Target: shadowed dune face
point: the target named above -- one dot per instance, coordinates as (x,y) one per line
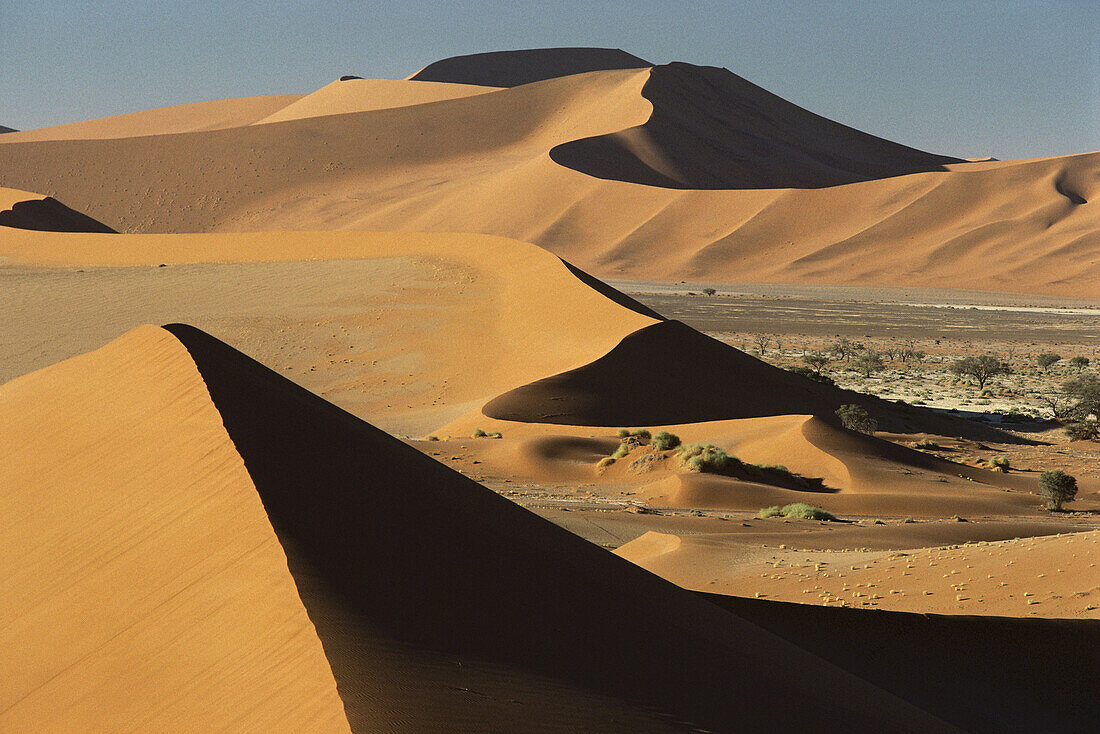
(668,373)
(515,68)
(711,129)
(4,129)
(403,563)
(991,659)
(49,215)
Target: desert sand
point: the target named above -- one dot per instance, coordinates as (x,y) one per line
(371,473)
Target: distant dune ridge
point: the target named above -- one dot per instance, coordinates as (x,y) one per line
(669,172)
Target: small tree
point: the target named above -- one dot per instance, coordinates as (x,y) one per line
(980,368)
(855,418)
(842,348)
(869,362)
(1086,391)
(1057,487)
(1079,363)
(1047,360)
(709,291)
(1082,431)
(816,361)
(761,341)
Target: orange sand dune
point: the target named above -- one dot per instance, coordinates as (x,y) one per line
(359,95)
(184,118)
(1053,576)
(668,373)
(485,163)
(440,606)
(711,129)
(514,68)
(143,588)
(411,329)
(24,210)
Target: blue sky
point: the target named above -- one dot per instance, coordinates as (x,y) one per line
(1009,79)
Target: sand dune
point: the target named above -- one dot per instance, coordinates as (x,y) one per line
(24,210)
(185,118)
(485,163)
(143,588)
(345,96)
(668,373)
(433,571)
(711,129)
(514,68)
(411,330)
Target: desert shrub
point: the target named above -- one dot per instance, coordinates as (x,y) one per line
(1079,363)
(926,443)
(1047,359)
(622,433)
(433,438)
(855,418)
(496,434)
(798,511)
(869,362)
(480,433)
(707,458)
(664,441)
(1057,487)
(709,291)
(621,451)
(605,462)
(1082,431)
(1001,463)
(642,434)
(813,375)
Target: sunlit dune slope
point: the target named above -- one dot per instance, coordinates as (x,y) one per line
(443,606)
(515,68)
(143,588)
(25,210)
(409,329)
(185,118)
(668,172)
(359,95)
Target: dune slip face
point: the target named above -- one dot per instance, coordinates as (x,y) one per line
(404,561)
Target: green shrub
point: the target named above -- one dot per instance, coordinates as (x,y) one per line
(664,441)
(926,443)
(1079,363)
(1047,359)
(623,433)
(1082,431)
(642,434)
(798,511)
(620,452)
(1000,463)
(1056,487)
(707,458)
(480,433)
(709,291)
(496,434)
(605,462)
(855,418)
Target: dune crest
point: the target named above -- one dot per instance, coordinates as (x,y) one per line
(143,587)
(515,68)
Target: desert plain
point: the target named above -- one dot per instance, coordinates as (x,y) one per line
(480,401)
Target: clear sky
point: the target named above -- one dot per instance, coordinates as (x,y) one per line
(1012,79)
